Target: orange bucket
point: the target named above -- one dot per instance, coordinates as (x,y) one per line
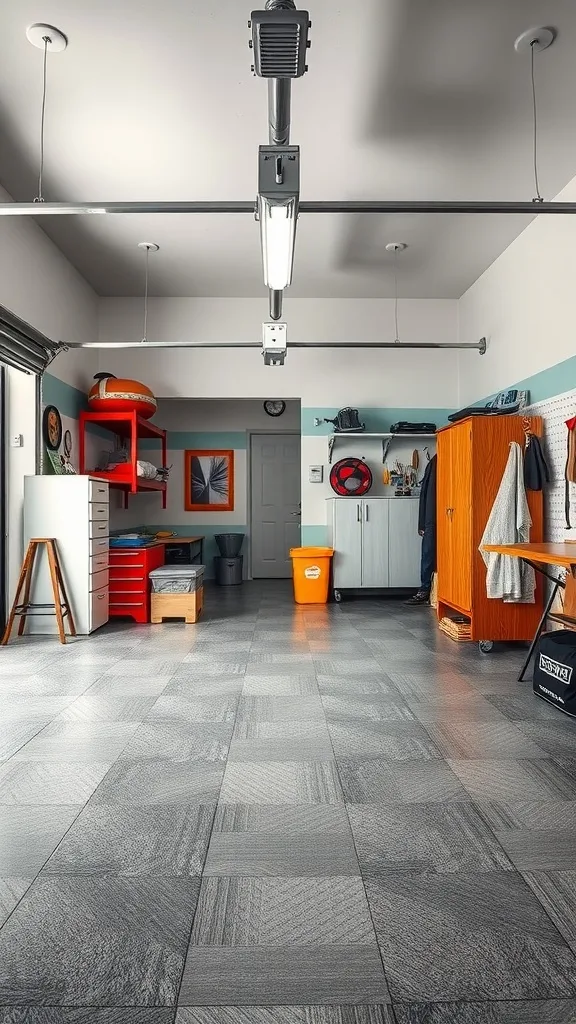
(311,572)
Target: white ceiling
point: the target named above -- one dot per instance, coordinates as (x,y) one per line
(411,99)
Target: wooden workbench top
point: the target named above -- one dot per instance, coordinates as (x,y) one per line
(562,553)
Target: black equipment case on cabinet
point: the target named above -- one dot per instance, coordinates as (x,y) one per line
(555,669)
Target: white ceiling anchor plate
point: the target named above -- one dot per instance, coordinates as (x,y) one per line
(150,246)
(39,32)
(539,37)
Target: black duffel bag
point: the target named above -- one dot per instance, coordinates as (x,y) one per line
(555,669)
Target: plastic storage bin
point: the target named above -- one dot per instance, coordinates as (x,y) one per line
(177,579)
(311,572)
(228,571)
(229,544)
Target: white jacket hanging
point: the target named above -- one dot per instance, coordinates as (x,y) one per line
(509,522)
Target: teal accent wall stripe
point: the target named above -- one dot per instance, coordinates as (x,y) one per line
(314,536)
(376,420)
(69,401)
(214,439)
(555,380)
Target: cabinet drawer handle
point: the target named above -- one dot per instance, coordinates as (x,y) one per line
(359,513)
(101,597)
(367,517)
(126,579)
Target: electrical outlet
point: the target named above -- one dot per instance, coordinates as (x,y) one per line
(17,441)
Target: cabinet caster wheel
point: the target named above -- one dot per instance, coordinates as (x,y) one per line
(338,596)
(485,646)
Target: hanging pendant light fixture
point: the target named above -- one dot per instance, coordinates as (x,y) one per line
(533,41)
(49,40)
(396,247)
(148,248)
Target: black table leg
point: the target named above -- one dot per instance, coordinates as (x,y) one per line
(558,584)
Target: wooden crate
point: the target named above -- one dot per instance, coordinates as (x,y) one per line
(177,606)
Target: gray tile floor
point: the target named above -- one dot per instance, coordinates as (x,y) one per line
(283,815)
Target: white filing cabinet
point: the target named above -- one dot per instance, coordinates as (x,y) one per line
(75,511)
(376,542)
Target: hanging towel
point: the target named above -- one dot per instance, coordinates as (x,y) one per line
(509,523)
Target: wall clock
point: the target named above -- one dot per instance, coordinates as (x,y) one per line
(274,408)
(52,428)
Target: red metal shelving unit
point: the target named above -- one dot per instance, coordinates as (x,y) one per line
(133,427)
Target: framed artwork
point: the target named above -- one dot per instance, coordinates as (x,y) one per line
(208,480)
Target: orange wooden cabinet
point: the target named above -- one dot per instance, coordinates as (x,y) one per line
(472,456)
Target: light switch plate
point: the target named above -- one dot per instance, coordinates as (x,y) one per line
(315,474)
(17,441)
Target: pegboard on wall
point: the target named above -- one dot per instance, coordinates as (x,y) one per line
(555,412)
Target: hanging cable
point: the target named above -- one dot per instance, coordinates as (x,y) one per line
(538,197)
(147,258)
(40,197)
(396,332)
(148,247)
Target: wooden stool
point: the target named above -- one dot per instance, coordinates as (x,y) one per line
(176,606)
(60,604)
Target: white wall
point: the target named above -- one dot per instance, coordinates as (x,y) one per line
(38,284)
(319,378)
(227,415)
(221,424)
(525,306)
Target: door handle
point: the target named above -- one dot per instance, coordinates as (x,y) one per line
(367,516)
(359,513)
(295,513)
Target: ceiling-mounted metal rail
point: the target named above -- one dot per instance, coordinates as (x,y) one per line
(324,206)
(478,346)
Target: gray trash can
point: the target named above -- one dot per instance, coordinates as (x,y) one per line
(229,544)
(228,571)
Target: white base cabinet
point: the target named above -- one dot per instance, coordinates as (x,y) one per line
(376,542)
(75,511)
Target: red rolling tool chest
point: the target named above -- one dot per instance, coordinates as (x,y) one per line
(129,586)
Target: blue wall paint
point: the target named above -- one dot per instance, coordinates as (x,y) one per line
(548,383)
(183,439)
(376,420)
(314,536)
(69,401)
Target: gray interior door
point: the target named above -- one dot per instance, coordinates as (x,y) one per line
(275,490)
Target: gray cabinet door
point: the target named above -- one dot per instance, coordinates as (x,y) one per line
(375,542)
(347,539)
(405,543)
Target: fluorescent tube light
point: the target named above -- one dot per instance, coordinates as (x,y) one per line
(278,234)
